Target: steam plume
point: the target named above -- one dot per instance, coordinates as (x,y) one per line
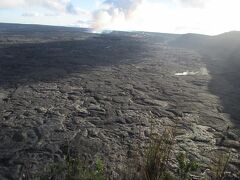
(112,10)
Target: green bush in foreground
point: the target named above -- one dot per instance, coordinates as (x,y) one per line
(157,157)
(155,167)
(185,166)
(73,169)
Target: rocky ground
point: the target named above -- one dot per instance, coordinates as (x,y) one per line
(104,94)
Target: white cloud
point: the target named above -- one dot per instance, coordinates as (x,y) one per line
(173,16)
(179,16)
(112,11)
(61,6)
(82,23)
(10,4)
(193,3)
(51,14)
(30,14)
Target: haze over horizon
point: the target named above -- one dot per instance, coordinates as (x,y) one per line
(209,17)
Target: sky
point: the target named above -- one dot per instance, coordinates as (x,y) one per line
(172,16)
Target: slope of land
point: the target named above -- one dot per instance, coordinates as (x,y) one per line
(103,94)
(221,56)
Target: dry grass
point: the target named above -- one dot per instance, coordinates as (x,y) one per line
(220,165)
(158,155)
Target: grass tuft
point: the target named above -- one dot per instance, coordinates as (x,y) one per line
(185,166)
(220,165)
(158,155)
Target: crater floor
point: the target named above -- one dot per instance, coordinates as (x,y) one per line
(104,94)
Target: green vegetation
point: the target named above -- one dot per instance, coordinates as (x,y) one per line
(156,165)
(158,155)
(185,166)
(73,169)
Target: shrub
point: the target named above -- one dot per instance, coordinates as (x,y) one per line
(220,165)
(185,166)
(157,157)
(73,169)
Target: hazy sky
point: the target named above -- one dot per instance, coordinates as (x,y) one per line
(173,16)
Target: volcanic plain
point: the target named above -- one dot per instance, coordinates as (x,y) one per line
(104,94)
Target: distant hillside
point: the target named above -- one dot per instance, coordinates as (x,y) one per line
(151,36)
(195,41)
(26,28)
(28,33)
(221,45)
(222,57)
